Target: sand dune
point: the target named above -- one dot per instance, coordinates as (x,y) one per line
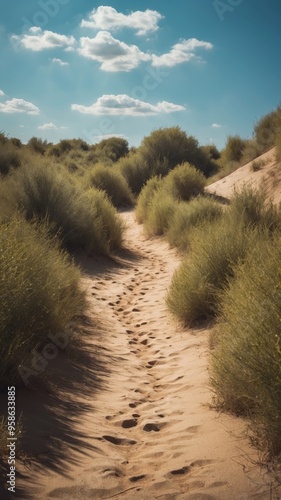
(268,176)
(145,429)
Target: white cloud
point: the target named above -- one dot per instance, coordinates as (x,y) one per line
(216,125)
(181,52)
(107,18)
(48,126)
(124,105)
(37,40)
(58,61)
(19,106)
(113,54)
(1,93)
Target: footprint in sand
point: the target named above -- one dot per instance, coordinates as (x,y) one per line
(119,441)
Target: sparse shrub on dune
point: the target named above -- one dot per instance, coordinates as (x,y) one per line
(112,183)
(246,361)
(81,219)
(185,182)
(9,157)
(197,212)
(40,294)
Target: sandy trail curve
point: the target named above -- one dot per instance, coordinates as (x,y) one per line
(150,432)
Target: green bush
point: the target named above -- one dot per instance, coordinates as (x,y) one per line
(267,129)
(160,213)
(233,150)
(82,219)
(254,209)
(278,146)
(112,183)
(145,198)
(216,248)
(135,170)
(246,363)
(40,294)
(185,182)
(188,215)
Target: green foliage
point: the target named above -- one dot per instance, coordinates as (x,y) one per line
(196,213)
(171,147)
(185,182)
(135,170)
(246,364)
(113,148)
(160,213)
(254,209)
(196,286)
(145,198)
(278,146)
(40,294)
(233,150)
(112,183)
(267,129)
(81,219)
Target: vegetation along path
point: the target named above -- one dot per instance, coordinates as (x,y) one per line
(141,427)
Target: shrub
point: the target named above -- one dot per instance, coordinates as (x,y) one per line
(246,363)
(9,158)
(145,198)
(81,219)
(215,250)
(113,183)
(185,182)
(37,145)
(233,150)
(278,146)
(171,146)
(135,170)
(267,129)
(40,294)
(188,215)
(113,148)
(253,208)
(160,213)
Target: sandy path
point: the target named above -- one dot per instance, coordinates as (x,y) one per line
(149,433)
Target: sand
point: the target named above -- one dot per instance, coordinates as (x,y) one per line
(268,177)
(130,411)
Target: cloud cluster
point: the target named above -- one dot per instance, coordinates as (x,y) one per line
(216,125)
(58,61)
(48,126)
(181,52)
(107,18)
(1,93)
(37,40)
(113,54)
(122,104)
(19,106)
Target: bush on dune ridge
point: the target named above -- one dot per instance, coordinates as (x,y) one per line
(185,182)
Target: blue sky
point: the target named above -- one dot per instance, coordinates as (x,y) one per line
(72,68)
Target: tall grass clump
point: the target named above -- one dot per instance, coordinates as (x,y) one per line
(82,219)
(196,286)
(246,362)
(254,209)
(196,213)
(145,198)
(185,182)
(112,183)
(40,294)
(135,170)
(160,213)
